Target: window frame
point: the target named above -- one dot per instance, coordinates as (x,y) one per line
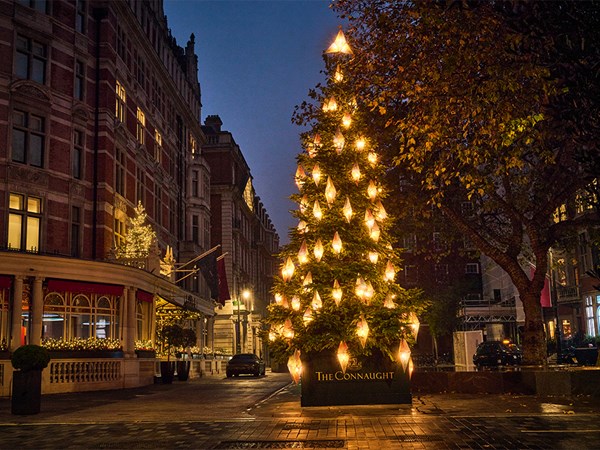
(27,222)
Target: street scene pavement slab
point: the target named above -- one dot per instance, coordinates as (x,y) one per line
(265,412)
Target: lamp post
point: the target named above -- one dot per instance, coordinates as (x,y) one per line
(238,343)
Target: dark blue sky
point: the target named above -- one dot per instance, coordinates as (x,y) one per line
(256,61)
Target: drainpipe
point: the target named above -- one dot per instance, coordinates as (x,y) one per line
(98,14)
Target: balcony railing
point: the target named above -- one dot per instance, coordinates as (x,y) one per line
(568,294)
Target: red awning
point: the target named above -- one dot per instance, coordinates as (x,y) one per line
(84,288)
(5,282)
(144,296)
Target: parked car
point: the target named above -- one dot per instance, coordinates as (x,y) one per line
(245,363)
(497,353)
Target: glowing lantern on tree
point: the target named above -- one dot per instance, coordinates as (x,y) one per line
(347,120)
(381,212)
(316,174)
(340,45)
(347,210)
(404,353)
(375,232)
(295,366)
(336,292)
(303,253)
(338,76)
(355,173)
(372,190)
(278,298)
(369,219)
(360,144)
(389,301)
(307,280)
(318,250)
(390,272)
(336,244)
(295,303)
(330,105)
(372,158)
(414,324)
(330,191)
(288,330)
(373,257)
(362,330)
(317,210)
(343,356)
(300,176)
(307,317)
(302,227)
(316,303)
(339,141)
(288,270)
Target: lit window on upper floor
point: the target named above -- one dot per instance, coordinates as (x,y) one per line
(157,146)
(193,146)
(121,101)
(31,59)
(560,214)
(140,130)
(24,222)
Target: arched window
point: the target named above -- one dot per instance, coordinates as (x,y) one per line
(54,316)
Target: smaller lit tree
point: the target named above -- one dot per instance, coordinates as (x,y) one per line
(139,238)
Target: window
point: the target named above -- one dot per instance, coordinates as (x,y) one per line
(120,171)
(472,268)
(121,102)
(206,230)
(24,222)
(409,242)
(31,59)
(119,232)
(75,230)
(411,274)
(193,146)
(195,175)
(157,146)
(78,143)
(141,71)
(441,273)
(81,16)
(38,5)
(560,214)
(589,314)
(28,136)
(121,43)
(79,84)
(70,315)
(141,126)
(195,229)
(158,204)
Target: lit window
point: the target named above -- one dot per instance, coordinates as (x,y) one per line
(119,232)
(121,101)
(193,146)
(28,137)
(157,146)
(31,58)
(141,126)
(24,222)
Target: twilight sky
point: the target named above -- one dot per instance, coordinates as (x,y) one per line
(256,61)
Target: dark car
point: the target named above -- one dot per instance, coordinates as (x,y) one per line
(245,363)
(497,353)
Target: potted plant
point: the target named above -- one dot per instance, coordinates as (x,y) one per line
(188,339)
(171,337)
(28,361)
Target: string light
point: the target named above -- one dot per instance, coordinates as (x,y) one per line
(390,272)
(303,204)
(308,316)
(300,175)
(302,227)
(369,219)
(372,158)
(295,366)
(347,120)
(373,257)
(372,190)
(404,353)
(330,105)
(340,45)
(389,301)
(360,144)
(381,212)
(375,232)
(316,303)
(288,330)
(278,298)
(338,76)
(307,280)
(295,303)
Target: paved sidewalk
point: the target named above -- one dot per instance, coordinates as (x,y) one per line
(178,416)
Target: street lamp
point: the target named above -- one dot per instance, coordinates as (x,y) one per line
(238,343)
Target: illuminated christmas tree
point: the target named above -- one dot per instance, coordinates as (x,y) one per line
(139,238)
(337,291)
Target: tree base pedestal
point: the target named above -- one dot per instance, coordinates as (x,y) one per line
(372,380)
(26,392)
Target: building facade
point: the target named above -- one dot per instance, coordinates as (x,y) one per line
(241,225)
(99,112)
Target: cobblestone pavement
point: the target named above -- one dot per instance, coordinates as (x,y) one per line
(177,417)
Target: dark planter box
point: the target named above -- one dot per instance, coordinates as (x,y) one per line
(69,354)
(183,370)
(146,353)
(167,371)
(26,392)
(586,356)
(373,380)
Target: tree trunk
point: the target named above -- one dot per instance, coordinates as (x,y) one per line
(534,343)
